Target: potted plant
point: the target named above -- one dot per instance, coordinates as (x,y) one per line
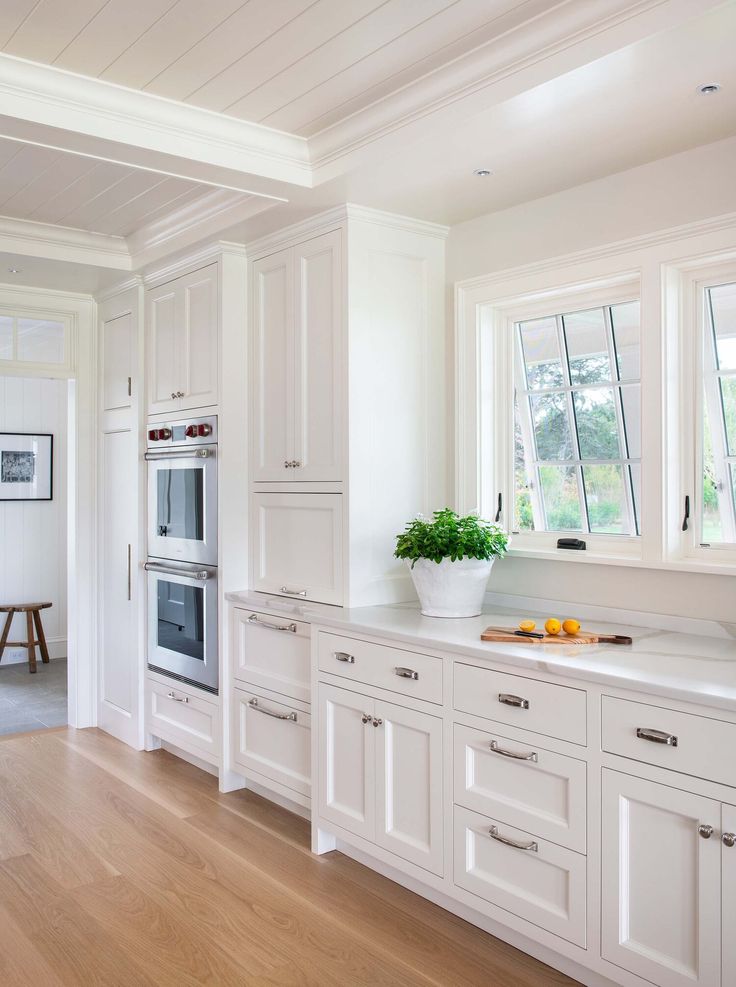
(451,559)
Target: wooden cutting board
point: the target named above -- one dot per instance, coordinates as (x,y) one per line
(506,635)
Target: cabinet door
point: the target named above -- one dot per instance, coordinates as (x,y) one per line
(197,297)
(163,349)
(347,745)
(318,359)
(272,739)
(728,885)
(273,367)
(118,346)
(660,882)
(409,785)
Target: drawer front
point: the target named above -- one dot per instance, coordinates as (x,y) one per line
(271,652)
(686,742)
(273,739)
(388,668)
(544,884)
(522,785)
(183,719)
(554,710)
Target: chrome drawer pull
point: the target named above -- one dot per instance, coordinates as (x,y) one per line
(178,699)
(293,592)
(253,703)
(508,700)
(656,736)
(495,835)
(344,656)
(406,673)
(255,619)
(519,757)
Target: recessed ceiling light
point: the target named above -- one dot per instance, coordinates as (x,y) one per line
(14,270)
(482,172)
(709,88)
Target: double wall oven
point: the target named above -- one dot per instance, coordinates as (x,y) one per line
(182,551)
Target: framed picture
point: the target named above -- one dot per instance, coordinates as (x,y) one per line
(26,466)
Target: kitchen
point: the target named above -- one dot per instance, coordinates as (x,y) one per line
(313,310)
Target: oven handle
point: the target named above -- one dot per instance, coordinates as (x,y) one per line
(201,453)
(170,571)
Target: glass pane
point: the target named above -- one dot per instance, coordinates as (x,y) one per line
(635,473)
(551,426)
(723,307)
(711,528)
(181,619)
(523,517)
(180,510)
(631,401)
(597,426)
(587,349)
(541,349)
(40,341)
(561,498)
(728,398)
(627,339)
(6,337)
(604,492)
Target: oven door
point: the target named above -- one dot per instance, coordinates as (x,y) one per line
(182,505)
(182,622)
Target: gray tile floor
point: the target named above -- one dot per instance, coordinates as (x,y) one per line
(32,702)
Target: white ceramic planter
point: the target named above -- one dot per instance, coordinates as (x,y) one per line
(451,589)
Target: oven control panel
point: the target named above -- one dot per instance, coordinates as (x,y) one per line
(191,432)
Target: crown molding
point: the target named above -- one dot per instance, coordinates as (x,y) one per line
(129,284)
(31,239)
(395,221)
(193,261)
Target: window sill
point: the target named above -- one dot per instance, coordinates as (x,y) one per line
(591,558)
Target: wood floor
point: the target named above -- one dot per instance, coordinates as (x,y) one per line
(126,868)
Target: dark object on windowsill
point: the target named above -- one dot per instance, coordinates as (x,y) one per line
(573,544)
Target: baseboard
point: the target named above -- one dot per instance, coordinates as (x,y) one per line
(189,758)
(18,656)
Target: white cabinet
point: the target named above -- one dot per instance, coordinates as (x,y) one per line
(271,652)
(272,739)
(297,545)
(182,342)
(297,317)
(728,885)
(380,774)
(661,882)
(183,717)
(119,362)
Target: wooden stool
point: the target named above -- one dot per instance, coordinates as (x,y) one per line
(33,615)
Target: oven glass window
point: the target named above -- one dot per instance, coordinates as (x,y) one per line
(181,618)
(180,503)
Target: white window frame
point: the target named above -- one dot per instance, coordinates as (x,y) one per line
(15,366)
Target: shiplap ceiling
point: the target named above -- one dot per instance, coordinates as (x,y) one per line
(49,186)
(295,65)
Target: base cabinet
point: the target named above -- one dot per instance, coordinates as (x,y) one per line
(381,774)
(728,886)
(273,740)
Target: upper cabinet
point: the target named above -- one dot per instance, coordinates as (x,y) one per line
(182,343)
(298,304)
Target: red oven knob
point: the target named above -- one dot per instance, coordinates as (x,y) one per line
(164,433)
(190,431)
(153,435)
(204,430)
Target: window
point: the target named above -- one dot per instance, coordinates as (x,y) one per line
(32,340)
(577,421)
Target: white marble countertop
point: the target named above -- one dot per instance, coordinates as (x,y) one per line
(689,667)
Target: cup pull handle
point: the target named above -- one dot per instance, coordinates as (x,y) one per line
(344,656)
(406,673)
(509,700)
(656,736)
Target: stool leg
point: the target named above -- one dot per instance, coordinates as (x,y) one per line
(31,642)
(6,632)
(41,637)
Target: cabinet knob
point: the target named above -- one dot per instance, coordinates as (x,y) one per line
(377,721)
(705,831)
(366,717)
(729,839)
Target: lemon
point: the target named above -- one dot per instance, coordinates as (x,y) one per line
(527,625)
(570,626)
(553,626)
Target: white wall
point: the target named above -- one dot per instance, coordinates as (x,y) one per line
(685,188)
(33,534)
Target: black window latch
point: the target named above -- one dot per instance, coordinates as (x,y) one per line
(574,544)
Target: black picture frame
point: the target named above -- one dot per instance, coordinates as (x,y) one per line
(14,461)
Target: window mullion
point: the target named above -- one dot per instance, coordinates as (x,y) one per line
(572,418)
(618,404)
(717,426)
(528,439)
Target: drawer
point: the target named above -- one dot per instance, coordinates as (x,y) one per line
(538,881)
(554,710)
(270,652)
(272,739)
(698,745)
(521,784)
(399,671)
(183,718)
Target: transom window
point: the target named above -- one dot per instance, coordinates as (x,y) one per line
(577,434)
(31,340)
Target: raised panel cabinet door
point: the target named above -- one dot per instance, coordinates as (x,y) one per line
(163,348)
(273,739)
(273,367)
(409,785)
(118,346)
(661,882)
(346,746)
(728,886)
(318,370)
(198,301)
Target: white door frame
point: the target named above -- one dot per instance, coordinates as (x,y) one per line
(80,370)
